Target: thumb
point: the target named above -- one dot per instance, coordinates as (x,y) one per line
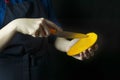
(52,25)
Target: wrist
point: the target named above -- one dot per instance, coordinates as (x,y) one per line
(15,23)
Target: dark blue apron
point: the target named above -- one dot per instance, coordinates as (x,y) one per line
(25,57)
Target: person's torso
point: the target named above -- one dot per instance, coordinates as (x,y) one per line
(26,9)
(25,57)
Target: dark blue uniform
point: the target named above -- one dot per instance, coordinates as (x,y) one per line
(25,57)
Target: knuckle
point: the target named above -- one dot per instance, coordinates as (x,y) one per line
(42,20)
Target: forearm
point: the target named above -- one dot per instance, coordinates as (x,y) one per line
(6,33)
(35,27)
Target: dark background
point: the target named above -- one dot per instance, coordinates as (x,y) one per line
(101,17)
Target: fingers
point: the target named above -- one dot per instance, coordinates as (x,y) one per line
(90,52)
(78,56)
(95,47)
(44,28)
(42,31)
(37,33)
(87,54)
(52,25)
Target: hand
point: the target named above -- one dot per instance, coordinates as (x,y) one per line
(38,27)
(87,54)
(62,44)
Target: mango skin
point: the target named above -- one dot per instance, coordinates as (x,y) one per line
(83,44)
